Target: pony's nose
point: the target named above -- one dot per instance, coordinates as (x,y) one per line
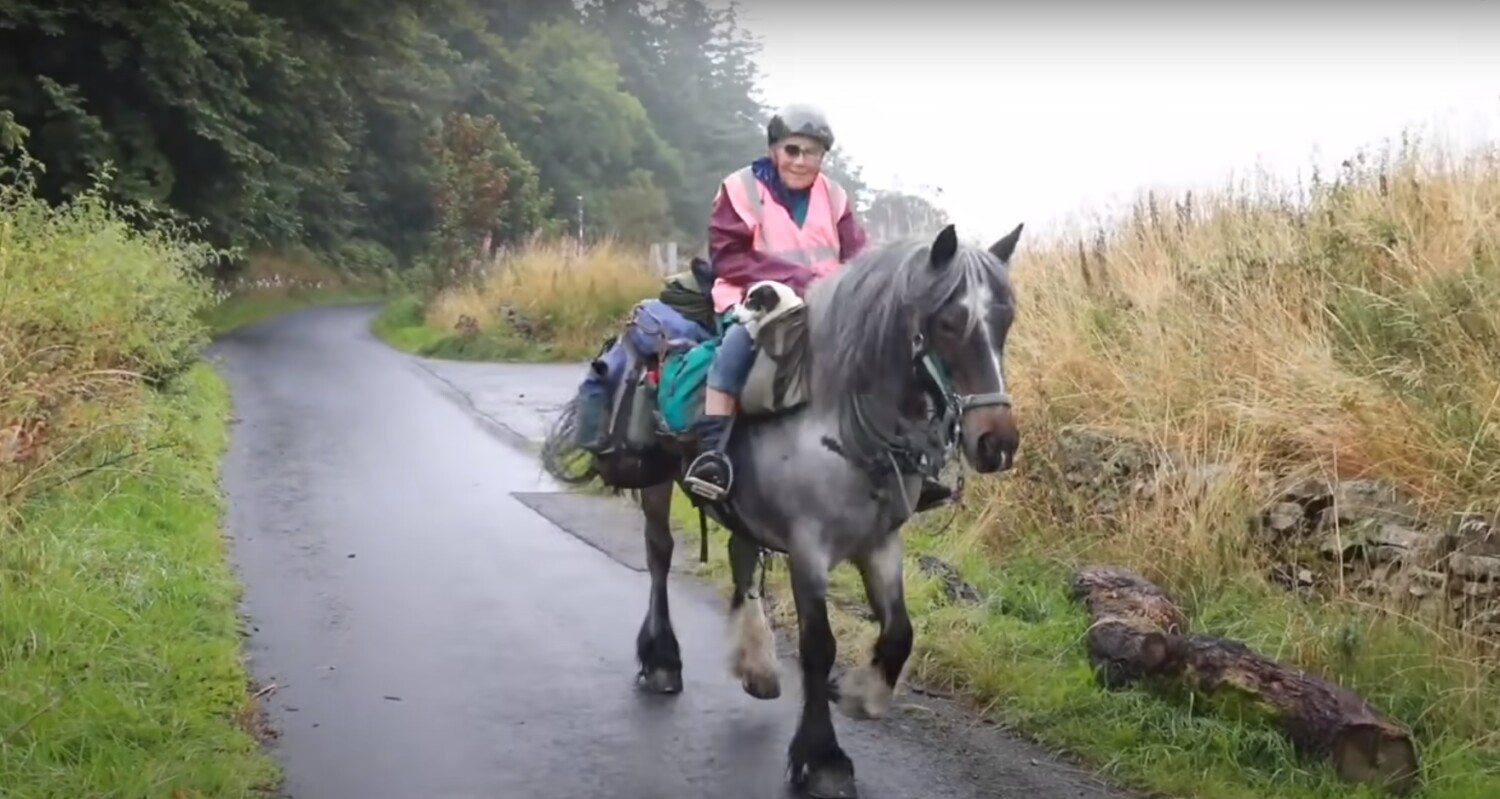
(996,452)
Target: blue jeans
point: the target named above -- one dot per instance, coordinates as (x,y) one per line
(732,361)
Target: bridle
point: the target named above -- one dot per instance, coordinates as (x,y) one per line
(950,421)
(955,405)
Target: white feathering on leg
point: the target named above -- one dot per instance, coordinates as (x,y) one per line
(753,654)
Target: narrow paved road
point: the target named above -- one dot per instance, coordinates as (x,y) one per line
(431,636)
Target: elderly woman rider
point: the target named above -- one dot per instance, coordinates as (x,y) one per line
(781,218)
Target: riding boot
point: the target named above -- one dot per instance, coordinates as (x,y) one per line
(933,494)
(710,475)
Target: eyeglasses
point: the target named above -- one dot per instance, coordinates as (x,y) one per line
(797,151)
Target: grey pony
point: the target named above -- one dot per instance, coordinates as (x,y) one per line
(907,351)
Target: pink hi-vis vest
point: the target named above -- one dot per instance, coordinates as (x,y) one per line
(814,245)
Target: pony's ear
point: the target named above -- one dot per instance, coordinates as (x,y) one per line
(944,247)
(1006,247)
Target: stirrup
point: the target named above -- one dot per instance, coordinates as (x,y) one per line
(703,488)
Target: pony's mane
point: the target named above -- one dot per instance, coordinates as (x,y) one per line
(861,320)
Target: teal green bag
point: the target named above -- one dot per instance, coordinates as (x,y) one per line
(682,383)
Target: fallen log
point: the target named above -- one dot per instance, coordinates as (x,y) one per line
(1138,635)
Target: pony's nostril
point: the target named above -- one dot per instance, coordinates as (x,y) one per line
(996,450)
(989,447)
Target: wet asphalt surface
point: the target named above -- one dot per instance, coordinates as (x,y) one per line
(423,633)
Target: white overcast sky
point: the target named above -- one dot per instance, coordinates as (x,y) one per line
(1034,114)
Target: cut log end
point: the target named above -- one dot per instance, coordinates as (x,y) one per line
(1372,754)
(1112,591)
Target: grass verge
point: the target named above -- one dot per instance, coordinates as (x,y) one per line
(403,325)
(119,637)
(548,300)
(1345,330)
(120,672)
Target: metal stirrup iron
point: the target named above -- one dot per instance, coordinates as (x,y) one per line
(708,490)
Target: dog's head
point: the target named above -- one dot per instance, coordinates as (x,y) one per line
(765,300)
(762,297)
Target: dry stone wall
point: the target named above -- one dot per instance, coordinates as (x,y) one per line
(1360,535)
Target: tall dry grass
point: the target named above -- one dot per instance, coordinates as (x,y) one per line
(1349,328)
(1346,328)
(554,291)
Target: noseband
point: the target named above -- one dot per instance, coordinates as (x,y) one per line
(968,402)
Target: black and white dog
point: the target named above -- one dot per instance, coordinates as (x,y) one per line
(765,301)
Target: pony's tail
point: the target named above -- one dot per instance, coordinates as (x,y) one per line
(561,456)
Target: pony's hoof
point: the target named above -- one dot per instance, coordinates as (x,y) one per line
(861,694)
(831,782)
(833,778)
(660,681)
(761,686)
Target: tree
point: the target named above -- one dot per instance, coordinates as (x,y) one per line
(486,193)
(836,166)
(693,69)
(894,214)
(590,136)
(279,123)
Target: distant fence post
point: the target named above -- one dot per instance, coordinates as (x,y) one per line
(664,257)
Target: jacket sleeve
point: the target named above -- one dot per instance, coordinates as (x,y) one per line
(731,250)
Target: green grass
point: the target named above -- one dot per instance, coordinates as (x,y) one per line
(1021,654)
(401,324)
(120,670)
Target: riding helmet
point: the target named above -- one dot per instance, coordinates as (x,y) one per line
(800,119)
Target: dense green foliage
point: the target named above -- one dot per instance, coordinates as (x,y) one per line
(376,132)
